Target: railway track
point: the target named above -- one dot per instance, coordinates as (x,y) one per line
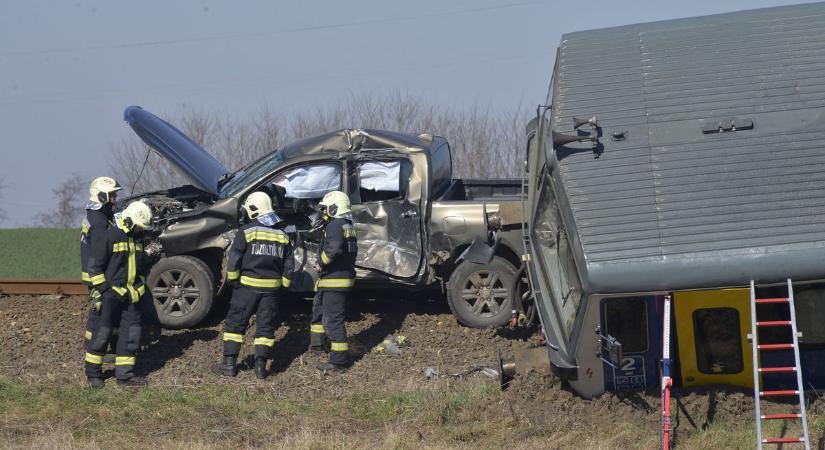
(25,286)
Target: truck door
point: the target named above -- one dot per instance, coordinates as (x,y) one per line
(296,190)
(386,209)
(636,323)
(712,329)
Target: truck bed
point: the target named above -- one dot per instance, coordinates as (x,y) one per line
(482,189)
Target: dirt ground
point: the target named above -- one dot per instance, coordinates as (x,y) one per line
(41,342)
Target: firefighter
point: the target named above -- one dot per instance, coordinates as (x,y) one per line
(336,276)
(99,216)
(117,267)
(260,265)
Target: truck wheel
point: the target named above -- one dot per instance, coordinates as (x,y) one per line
(480,295)
(183,289)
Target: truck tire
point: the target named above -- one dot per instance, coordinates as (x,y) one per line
(480,295)
(183,289)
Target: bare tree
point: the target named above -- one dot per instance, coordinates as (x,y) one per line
(139,169)
(485,143)
(68,211)
(3,187)
(234,143)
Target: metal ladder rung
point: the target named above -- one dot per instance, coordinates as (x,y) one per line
(774,323)
(777,369)
(775,346)
(778,393)
(786,416)
(787,440)
(764,301)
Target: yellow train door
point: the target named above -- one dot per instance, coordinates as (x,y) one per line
(712,329)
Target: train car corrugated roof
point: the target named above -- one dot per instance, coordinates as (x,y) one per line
(671,207)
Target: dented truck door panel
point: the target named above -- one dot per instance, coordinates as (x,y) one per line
(387,213)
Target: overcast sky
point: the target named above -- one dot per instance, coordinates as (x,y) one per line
(69,68)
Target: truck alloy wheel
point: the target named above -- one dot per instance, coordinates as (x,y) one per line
(480,294)
(182,291)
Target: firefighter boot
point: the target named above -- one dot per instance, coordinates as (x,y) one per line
(260,368)
(132,382)
(332,367)
(318,349)
(96,383)
(228,368)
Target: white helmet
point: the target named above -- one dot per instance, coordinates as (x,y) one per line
(335,204)
(102,188)
(137,214)
(257,204)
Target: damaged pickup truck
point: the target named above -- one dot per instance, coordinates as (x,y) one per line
(414,221)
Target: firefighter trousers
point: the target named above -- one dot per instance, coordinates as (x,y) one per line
(114,312)
(329,323)
(91,322)
(246,302)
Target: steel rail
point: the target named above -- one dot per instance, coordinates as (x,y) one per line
(27,286)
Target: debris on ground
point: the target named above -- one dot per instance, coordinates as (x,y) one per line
(431,373)
(390,345)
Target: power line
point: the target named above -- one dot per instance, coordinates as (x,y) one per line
(211,86)
(128,45)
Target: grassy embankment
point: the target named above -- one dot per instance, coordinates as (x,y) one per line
(466,415)
(40,253)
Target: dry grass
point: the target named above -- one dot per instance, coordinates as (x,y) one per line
(460,415)
(225,416)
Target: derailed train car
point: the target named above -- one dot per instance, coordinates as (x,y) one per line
(681,158)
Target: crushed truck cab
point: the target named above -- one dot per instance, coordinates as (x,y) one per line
(412,218)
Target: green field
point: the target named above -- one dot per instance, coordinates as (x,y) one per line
(40,253)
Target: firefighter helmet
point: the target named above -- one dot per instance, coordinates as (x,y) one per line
(335,204)
(102,188)
(137,214)
(257,204)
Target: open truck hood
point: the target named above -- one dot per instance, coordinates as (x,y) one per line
(193,161)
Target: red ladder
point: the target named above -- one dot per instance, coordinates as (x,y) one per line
(760,394)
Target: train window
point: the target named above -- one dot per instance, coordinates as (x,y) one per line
(626,320)
(718,342)
(810,315)
(557,255)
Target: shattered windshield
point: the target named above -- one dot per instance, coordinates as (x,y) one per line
(254,171)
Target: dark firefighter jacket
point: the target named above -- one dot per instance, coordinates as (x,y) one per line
(337,255)
(98,219)
(261,256)
(118,263)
